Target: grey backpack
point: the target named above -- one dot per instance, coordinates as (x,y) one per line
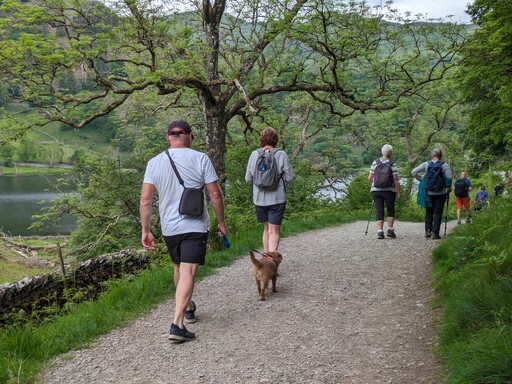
(266,173)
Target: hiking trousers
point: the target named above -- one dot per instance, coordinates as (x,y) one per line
(381,197)
(434,214)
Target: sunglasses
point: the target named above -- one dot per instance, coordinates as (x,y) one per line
(180,132)
(176,133)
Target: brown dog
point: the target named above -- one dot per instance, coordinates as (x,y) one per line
(265,269)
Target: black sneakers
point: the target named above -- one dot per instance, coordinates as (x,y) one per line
(391,233)
(435,236)
(428,233)
(190,315)
(380,235)
(180,335)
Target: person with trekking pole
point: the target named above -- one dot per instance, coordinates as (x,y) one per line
(385,188)
(446,217)
(437,182)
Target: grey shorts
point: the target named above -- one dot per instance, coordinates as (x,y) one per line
(187,247)
(272,213)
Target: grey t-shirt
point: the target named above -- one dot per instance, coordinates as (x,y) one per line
(196,170)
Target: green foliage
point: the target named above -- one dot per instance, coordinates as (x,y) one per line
(358,196)
(489,92)
(6,155)
(106,206)
(473,278)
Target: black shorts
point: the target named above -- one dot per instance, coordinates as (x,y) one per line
(272,213)
(187,247)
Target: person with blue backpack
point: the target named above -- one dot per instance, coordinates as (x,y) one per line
(461,188)
(385,188)
(269,172)
(437,182)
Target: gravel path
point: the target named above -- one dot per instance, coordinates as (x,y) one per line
(349,309)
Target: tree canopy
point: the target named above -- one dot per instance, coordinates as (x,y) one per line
(486,78)
(216,64)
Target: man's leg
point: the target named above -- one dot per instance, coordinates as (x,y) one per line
(176,281)
(184,290)
(467,206)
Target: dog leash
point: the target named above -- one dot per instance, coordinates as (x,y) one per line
(262,254)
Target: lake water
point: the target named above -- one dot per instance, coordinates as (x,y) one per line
(20,198)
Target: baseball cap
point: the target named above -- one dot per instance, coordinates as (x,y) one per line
(182,124)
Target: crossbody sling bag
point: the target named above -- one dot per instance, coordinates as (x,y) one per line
(192,199)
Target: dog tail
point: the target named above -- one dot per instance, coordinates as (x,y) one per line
(254,260)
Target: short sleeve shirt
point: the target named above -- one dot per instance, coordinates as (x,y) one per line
(196,170)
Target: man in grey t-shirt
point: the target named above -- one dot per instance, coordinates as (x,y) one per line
(185,236)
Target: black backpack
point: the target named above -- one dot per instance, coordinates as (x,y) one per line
(266,174)
(434,177)
(383,174)
(460,188)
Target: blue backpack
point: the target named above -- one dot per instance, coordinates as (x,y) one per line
(434,177)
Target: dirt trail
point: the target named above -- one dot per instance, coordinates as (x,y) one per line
(350,309)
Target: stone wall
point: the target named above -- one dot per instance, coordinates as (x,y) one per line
(30,298)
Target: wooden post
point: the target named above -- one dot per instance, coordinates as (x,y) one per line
(62,265)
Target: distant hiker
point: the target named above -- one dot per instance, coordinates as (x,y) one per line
(437,182)
(385,188)
(498,190)
(269,197)
(481,199)
(461,188)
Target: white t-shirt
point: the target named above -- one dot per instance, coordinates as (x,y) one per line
(196,170)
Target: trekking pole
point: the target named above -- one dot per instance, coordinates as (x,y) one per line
(369,217)
(446,217)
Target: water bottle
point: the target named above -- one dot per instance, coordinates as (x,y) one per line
(225,240)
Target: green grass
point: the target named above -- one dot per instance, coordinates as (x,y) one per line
(13,267)
(26,349)
(473,280)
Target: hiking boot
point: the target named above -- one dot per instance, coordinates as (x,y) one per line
(428,233)
(435,236)
(380,235)
(459,223)
(468,220)
(179,335)
(391,233)
(190,315)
